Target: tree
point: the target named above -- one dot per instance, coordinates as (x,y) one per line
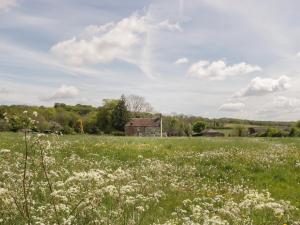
(137,104)
(90,123)
(79,126)
(120,114)
(104,115)
(170,125)
(239,130)
(199,126)
(188,129)
(293,132)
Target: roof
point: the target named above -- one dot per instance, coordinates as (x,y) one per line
(144,122)
(211,131)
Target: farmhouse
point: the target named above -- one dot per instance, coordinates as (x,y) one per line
(253,131)
(143,127)
(212,133)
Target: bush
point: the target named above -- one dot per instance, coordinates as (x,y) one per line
(199,126)
(239,130)
(294,132)
(55,127)
(274,132)
(68,130)
(4,126)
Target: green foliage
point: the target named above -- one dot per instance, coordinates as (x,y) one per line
(4,125)
(239,130)
(294,132)
(171,126)
(188,129)
(199,126)
(236,180)
(112,116)
(55,127)
(120,114)
(274,132)
(90,123)
(68,119)
(105,115)
(104,120)
(117,133)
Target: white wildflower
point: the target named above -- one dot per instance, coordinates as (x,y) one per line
(35,113)
(4,151)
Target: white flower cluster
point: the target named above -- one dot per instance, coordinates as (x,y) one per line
(222,209)
(100,187)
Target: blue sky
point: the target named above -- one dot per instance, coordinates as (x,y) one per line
(210,58)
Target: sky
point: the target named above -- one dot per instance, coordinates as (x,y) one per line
(211,58)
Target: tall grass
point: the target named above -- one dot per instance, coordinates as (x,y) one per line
(125,180)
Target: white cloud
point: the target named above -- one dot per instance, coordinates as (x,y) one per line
(218,70)
(279,107)
(232,107)
(7,4)
(103,44)
(166,24)
(298,54)
(125,40)
(4,91)
(263,86)
(182,61)
(64,92)
(285,102)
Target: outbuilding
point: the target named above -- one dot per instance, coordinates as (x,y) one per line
(212,133)
(143,127)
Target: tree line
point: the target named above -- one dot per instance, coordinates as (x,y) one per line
(111,117)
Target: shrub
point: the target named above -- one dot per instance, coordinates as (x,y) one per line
(274,132)
(294,132)
(68,130)
(199,126)
(4,126)
(239,130)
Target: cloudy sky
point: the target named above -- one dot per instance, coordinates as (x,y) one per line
(213,58)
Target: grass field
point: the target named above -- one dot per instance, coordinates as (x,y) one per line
(123,180)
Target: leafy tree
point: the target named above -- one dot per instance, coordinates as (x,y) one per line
(171,125)
(275,132)
(79,126)
(90,123)
(104,121)
(293,132)
(16,123)
(108,119)
(188,129)
(120,114)
(239,130)
(104,116)
(199,126)
(55,127)
(4,125)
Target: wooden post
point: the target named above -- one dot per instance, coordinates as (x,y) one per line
(161,128)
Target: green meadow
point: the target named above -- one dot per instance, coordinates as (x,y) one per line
(128,180)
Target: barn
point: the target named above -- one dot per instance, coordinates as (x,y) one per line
(143,127)
(212,133)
